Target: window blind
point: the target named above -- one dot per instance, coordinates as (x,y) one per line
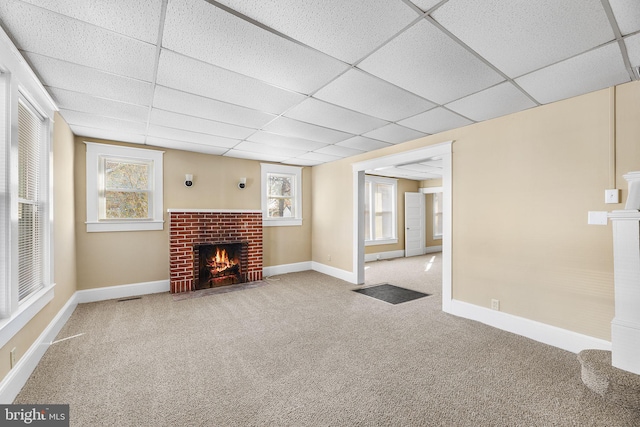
(30,209)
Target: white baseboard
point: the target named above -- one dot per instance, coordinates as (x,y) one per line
(122,291)
(432,249)
(547,334)
(383,255)
(18,376)
(348,276)
(286,268)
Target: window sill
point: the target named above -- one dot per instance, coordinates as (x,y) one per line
(281,222)
(380,242)
(93,227)
(26,311)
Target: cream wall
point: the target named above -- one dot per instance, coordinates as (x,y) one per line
(119,258)
(522,187)
(404,186)
(64,246)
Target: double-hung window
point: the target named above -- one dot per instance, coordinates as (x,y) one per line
(26,257)
(124,188)
(380,210)
(437,215)
(281,195)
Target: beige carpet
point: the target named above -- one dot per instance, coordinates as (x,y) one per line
(304,350)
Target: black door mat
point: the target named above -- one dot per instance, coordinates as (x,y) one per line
(391,293)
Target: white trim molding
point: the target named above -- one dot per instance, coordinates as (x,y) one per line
(432,249)
(20,373)
(383,255)
(122,291)
(345,275)
(541,332)
(275,270)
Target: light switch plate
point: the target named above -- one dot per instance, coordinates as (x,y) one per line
(597,218)
(612,196)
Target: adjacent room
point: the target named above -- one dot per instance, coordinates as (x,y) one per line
(381,212)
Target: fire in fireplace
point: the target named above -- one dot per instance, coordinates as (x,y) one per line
(220,265)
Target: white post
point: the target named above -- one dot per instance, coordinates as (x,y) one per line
(625,327)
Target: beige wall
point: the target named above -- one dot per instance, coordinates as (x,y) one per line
(119,258)
(522,187)
(64,246)
(404,186)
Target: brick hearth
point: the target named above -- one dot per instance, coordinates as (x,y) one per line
(189,227)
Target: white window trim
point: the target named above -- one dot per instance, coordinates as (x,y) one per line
(266,168)
(434,190)
(18,80)
(94,152)
(390,181)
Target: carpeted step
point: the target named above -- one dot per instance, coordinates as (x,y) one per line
(615,385)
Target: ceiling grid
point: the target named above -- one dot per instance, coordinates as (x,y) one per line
(304,82)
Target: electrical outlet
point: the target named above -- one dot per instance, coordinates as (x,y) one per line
(12,356)
(612,196)
(377,257)
(495,304)
(328,257)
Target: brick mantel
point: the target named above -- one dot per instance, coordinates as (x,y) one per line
(190,227)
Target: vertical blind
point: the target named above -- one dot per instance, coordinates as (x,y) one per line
(30,206)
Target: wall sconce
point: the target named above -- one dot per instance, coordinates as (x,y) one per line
(242,183)
(188,180)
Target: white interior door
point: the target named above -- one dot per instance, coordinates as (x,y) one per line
(414,225)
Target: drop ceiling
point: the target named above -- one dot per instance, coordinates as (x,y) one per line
(309,82)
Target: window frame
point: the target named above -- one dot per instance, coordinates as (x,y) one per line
(19,83)
(296,172)
(437,213)
(96,154)
(374,180)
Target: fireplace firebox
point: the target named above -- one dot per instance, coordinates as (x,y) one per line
(220,264)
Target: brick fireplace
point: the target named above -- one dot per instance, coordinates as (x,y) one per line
(189,229)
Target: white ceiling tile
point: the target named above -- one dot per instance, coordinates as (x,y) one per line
(323,114)
(111,134)
(40,31)
(222,39)
(319,157)
(522,36)
(568,78)
(276,140)
(363,92)
(65,75)
(362,143)
(196,124)
(496,101)
(633,49)
(207,108)
(395,134)
(77,101)
(326,25)
(255,156)
(257,147)
(427,62)
(99,122)
(425,5)
(337,150)
(139,19)
(419,167)
(185,146)
(302,162)
(214,82)
(627,14)
(188,136)
(435,121)
(294,128)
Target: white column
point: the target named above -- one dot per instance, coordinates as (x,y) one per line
(625,327)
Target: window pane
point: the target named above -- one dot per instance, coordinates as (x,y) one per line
(384,195)
(280,185)
(384,225)
(126,204)
(280,208)
(125,175)
(30,268)
(367,211)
